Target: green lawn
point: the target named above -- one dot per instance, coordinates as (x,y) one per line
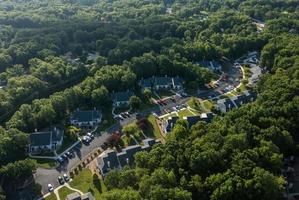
(128,141)
(63,192)
(169,115)
(51,197)
(45,163)
(86,182)
(208,105)
(153,130)
(185,113)
(195,104)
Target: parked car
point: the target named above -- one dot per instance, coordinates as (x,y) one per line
(90,135)
(50,188)
(60,160)
(86,139)
(69,154)
(60,180)
(130,112)
(66,177)
(64,156)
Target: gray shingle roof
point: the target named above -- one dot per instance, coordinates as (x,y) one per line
(85,115)
(147,83)
(45,138)
(163,81)
(126,157)
(122,96)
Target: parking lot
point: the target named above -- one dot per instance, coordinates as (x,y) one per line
(80,151)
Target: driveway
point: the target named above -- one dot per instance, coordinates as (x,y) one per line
(46,176)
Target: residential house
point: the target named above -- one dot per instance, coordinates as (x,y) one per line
(107,161)
(246,97)
(146,83)
(47,141)
(86,118)
(168,125)
(224,105)
(77,196)
(177,83)
(192,120)
(121,99)
(163,83)
(206,117)
(110,159)
(212,65)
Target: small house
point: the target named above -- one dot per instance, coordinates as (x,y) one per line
(47,141)
(110,159)
(122,99)
(163,83)
(169,124)
(177,83)
(77,196)
(224,105)
(86,118)
(146,83)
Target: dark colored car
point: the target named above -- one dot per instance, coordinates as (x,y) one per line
(60,180)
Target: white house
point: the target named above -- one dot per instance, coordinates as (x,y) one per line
(47,141)
(86,118)
(122,98)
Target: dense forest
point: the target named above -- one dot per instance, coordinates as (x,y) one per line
(237,156)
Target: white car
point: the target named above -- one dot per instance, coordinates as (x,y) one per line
(50,187)
(86,139)
(90,135)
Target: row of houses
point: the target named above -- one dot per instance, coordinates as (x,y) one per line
(51,140)
(225,105)
(211,65)
(161,83)
(168,124)
(110,159)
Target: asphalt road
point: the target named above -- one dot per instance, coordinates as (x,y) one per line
(46,176)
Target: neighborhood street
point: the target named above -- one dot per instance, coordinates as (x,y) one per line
(46,176)
(49,176)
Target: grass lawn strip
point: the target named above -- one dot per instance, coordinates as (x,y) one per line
(207,105)
(185,113)
(154,130)
(64,191)
(45,163)
(86,182)
(52,196)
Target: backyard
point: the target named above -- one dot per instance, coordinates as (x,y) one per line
(85,181)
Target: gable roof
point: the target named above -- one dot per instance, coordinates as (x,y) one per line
(122,96)
(45,138)
(126,157)
(207,117)
(108,160)
(163,81)
(177,81)
(170,123)
(192,120)
(148,82)
(85,115)
(246,97)
(225,104)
